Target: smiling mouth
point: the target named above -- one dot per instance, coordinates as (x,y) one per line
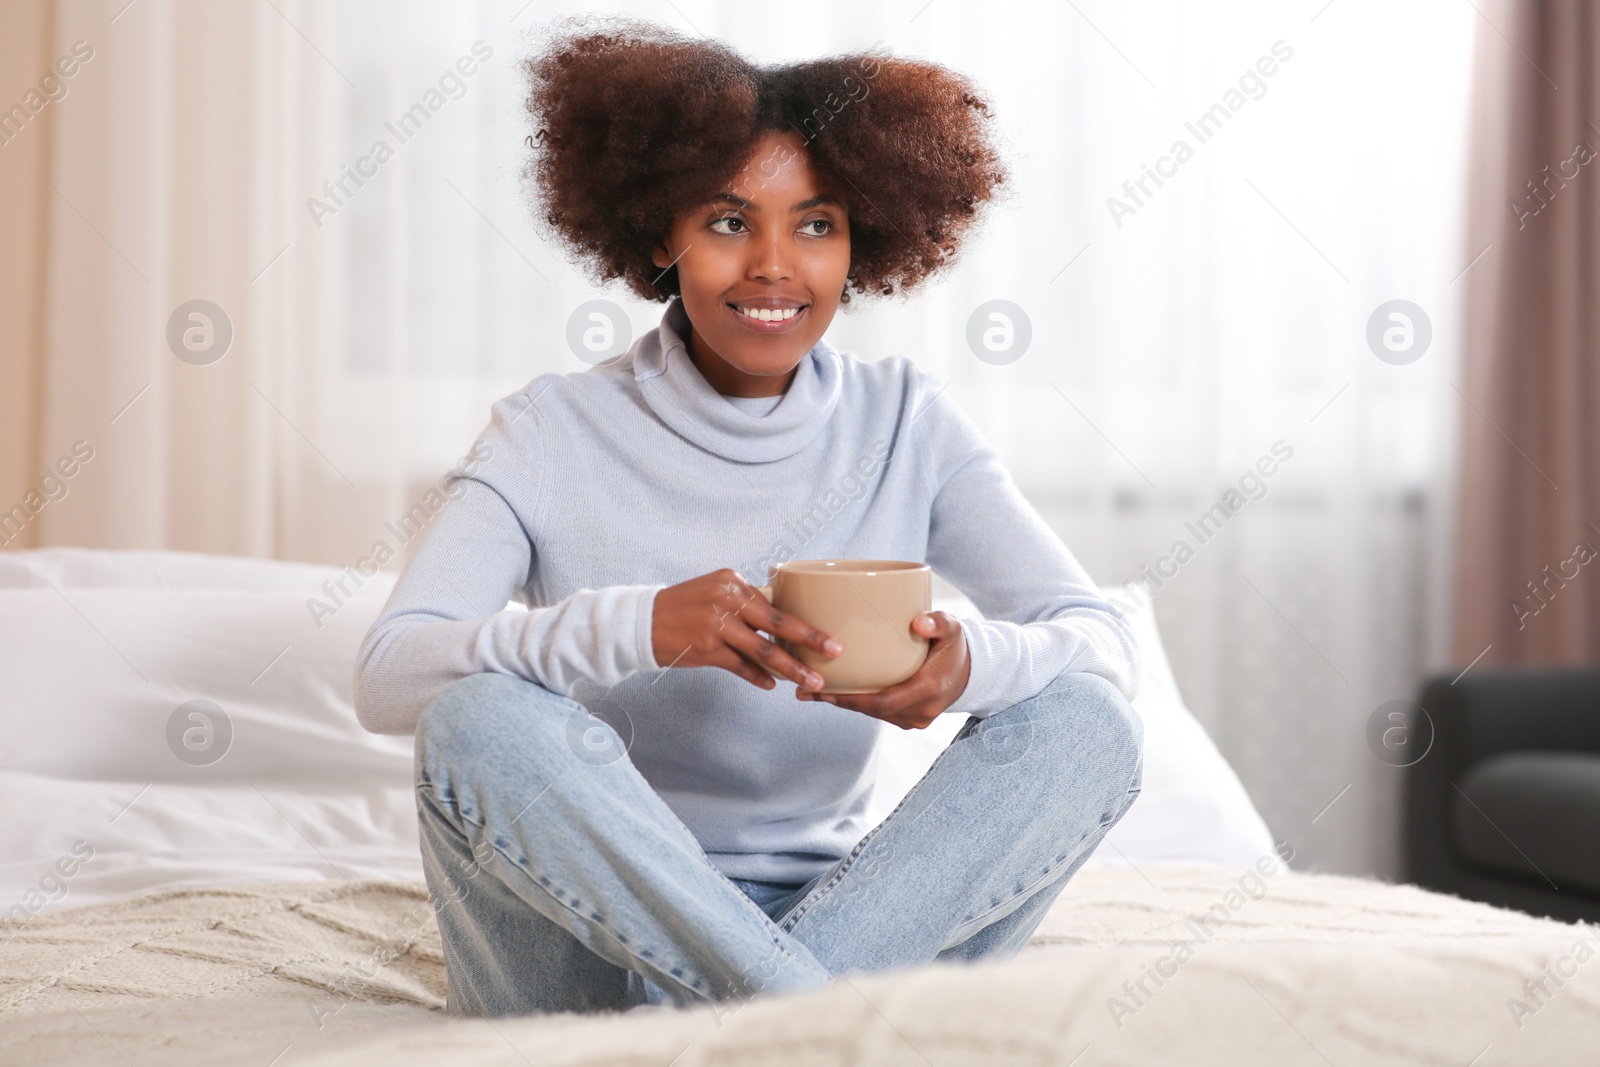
(761,314)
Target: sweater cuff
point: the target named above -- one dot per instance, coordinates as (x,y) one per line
(644,627)
(598,635)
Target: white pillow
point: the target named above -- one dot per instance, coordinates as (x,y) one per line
(81,567)
(1192,808)
(303,792)
(95,669)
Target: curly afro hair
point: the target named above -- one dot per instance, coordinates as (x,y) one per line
(636,124)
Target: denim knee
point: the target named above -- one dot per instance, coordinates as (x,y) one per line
(487,712)
(1100,711)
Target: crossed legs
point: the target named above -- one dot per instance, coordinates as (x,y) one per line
(563,882)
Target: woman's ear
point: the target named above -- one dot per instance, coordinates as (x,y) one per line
(661,257)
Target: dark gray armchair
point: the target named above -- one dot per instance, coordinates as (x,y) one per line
(1505,806)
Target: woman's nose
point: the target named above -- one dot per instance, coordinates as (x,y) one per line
(771,259)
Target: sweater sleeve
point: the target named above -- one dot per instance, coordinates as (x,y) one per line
(1043,615)
(448,618)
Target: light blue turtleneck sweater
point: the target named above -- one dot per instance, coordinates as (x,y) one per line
(600,488)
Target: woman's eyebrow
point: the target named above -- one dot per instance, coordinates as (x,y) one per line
(805,205)
(818,201)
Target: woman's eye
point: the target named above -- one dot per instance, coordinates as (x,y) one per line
(733,223)
(824,223)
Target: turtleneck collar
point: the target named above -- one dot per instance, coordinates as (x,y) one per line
(681,397)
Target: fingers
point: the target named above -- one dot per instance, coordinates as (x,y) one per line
(749,628)
(915,715)
(757,613)
(760,613)
(747,670)
(919,700)
(711,621)
(762,652)
(733,593)
(893,701)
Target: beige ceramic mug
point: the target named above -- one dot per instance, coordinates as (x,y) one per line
(867,605)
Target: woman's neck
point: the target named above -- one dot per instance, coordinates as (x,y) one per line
(729,380)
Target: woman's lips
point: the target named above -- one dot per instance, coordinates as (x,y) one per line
(755,325)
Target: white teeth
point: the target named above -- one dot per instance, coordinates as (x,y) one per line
(766,315)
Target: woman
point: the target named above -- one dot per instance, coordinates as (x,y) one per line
(619,804)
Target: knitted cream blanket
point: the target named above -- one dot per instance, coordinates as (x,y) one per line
(1168,966)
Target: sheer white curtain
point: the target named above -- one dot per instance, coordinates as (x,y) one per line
(1226,313)
(1172,345)
(177,164)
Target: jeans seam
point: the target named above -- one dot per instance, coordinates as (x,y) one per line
(816,895)
(811,899)
(1064,860)
(777,945)
(761,915)
(534,881)
(455,812)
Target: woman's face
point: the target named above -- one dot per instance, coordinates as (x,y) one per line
(761,268)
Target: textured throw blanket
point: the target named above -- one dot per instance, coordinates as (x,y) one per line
(1167,966)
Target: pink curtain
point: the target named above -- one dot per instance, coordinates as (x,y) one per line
(1528,564)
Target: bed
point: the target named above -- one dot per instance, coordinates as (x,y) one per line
(244,887)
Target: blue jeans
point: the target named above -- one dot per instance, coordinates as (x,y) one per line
(604,900)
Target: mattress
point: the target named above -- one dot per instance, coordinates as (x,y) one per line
(1196,965)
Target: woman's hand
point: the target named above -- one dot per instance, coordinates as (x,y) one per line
(711,621)
(916,702)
